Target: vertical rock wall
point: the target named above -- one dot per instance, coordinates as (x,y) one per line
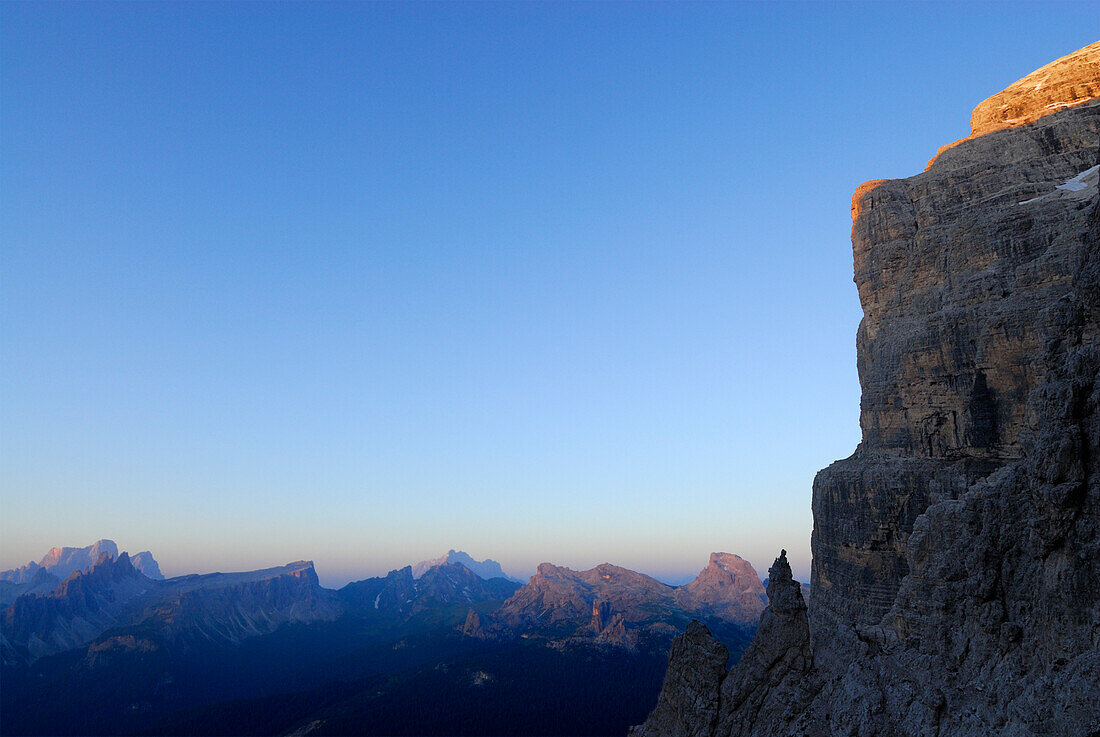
(956,574)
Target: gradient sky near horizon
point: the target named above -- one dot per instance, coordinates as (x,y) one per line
(361,283)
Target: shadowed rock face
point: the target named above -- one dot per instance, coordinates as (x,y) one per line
(688,703)
(82,607)
(956,574)
(961,271)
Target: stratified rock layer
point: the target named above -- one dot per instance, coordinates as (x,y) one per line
(1067,82)
(956,574)
(1072,80)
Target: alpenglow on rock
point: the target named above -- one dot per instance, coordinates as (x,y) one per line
(615,606)
(956,554)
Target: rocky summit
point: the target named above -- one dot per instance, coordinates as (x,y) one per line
(956,554)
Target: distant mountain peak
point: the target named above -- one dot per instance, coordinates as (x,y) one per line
(728,585)
(728,560)
(62,562)
(60,557)
(485,569)
(147,564)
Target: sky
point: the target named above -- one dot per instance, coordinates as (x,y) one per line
(361,283)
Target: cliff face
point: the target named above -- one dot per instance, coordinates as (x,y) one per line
(956,575)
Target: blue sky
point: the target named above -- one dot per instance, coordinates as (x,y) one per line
(360,283)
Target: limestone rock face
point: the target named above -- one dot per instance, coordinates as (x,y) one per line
(61,562)
(1072,80)
(607,605)
(147,564)
(766,687)
(956,576)
(472,627)
(688,703)
(962,273)
(556,594)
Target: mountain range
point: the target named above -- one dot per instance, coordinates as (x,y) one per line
(606,604)
(278,630)
(60,563)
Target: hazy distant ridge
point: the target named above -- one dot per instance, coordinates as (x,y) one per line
(63,562)
(485,569)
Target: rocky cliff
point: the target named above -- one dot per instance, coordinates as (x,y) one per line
(956,575)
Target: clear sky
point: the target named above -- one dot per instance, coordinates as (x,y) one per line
(360,283)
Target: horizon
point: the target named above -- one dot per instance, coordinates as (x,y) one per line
(336,580)
(541,283)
